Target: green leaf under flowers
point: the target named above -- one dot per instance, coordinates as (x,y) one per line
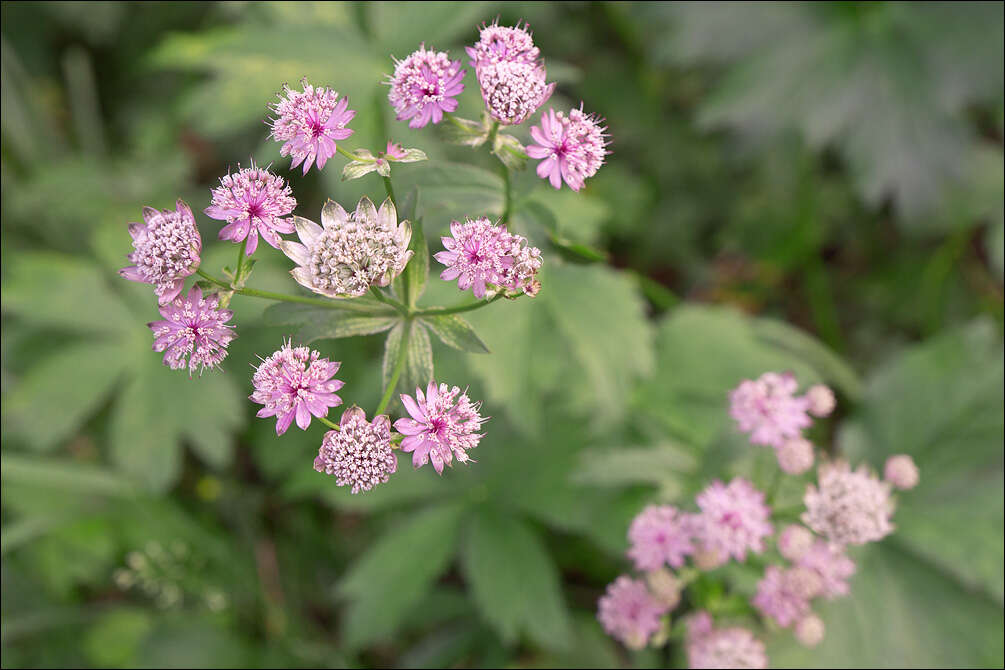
(509,150)
(321,324)
(455,332)
(464,131)
(409,156)
(396,571)
(418,366)
(357,169)
(513,580)
(416,273)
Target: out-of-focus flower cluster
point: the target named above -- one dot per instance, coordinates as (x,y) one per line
(170,576)
(672,547)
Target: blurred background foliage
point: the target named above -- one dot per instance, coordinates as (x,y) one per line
(815,187)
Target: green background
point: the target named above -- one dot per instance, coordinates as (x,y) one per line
(811,187)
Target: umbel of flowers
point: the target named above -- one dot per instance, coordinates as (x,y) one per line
(671,547)
(353,262)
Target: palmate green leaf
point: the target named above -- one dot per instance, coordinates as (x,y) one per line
(455,332)
(396,571)
(942,403)
(313,323)
(887,84)
(411,283)
(513,580)
(454,191)
(555,344)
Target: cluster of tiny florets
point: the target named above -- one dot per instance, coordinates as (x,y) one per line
(295,383)
(309,123)
(734,519)
(660,535)
(359,453)
(769,410)
(349,253)
(444,425)
(571,147)
(503,43)
(901,472)
(480,255)
(848,506)
(253,202)
(711,647)
(513,80)
(629,612)
(193,333)
(424,86)
(167,249)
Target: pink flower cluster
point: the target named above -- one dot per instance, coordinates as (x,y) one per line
(253,202)
(571,147)
(193,333)
(309,123)
(482,255)
(295,383)
(424,86)
(512,78)
(359,453)
(712,647)
(167,249)
(444,425)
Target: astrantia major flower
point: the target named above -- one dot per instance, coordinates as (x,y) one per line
(810,630)
(503,43)
(831,564)
(424,86)
(733,520)
(660,535)
(309,123)
(769,410)
(821,400)
(194,332)
(349,253)
(359,452)
(848,506)
(794,541)
(253,202)
(295,383)
(711,647)
(444,425)
(571,147)
(901,472)
(628,612)
(513,91)
(795,456)
(784,595)
(167,249)
(481,255)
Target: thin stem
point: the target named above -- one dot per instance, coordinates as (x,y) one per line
(436,311)
(390,191)
(345,152)
(240,259)
(776,479)
(387,300)
(346,305)
(399,365)
(507,194)
(330,424)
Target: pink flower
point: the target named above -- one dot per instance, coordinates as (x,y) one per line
(660,535)
(848,506)
(831,564)
(784,595)
(167,248)
(570,147)
(901,472)
(295,382)
(194,332)
(710,647)
(794,541)
(513,91)
(481,255)
(733,519)
(424,86)
(359,452)
(821,400)
(767,409)
(309,123)
(444,424)
(810,631)
(349,253)
(253,202)
(503,43)
(795,456)
(628,612)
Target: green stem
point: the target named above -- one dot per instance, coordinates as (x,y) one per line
(325,303)
(240,259)
(345,152)
(776,479)
(379,295)
(390,191)
(507,194)
(330,424)
(436,311)
(399,365)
